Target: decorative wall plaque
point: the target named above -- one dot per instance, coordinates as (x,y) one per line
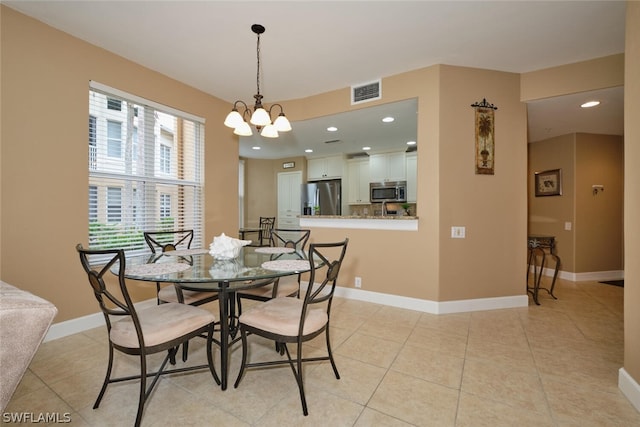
(485,143)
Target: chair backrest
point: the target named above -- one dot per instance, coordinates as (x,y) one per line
(326,260)
(290,238)
(266,226)
(111,304)
(165,241)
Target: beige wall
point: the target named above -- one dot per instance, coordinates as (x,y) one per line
(488,262)
(595,241)
(596,74)
(261,186)
(426,264)
(1,180)
(45,81)
(399,263)
(632,192)
(548,214)
(599,217)
(260,191)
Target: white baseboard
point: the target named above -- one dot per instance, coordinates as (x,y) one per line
(434,307)
(80,324)
(582,277)
(629,387)
(597,276)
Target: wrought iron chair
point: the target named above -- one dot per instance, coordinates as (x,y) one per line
(167,241)
(288,286)
(292,320)
(143,332)
(290,238)
(264,234)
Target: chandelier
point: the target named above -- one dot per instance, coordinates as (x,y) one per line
(260,117)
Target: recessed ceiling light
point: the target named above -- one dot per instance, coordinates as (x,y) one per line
(590,104)
(332,128)
(388,119)
(411,143)
(308,150)
(255,148)
(366,148)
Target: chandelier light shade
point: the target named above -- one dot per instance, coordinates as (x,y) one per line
(259,117)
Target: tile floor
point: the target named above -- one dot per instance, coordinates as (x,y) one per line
(550,365)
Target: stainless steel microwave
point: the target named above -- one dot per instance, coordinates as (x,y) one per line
(391,191)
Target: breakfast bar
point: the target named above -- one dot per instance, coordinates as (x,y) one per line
(389,222)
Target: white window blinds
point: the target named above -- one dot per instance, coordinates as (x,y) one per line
(145,170)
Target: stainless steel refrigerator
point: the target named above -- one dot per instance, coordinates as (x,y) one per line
(322,198)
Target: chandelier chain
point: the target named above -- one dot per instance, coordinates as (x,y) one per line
(258,62)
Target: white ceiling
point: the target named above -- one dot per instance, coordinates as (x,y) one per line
(312,47)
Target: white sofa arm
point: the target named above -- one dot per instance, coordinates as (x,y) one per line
(24,322)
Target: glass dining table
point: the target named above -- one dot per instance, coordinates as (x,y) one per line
(197,270)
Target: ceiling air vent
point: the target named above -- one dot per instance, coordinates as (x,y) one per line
(333,141)
(366,92)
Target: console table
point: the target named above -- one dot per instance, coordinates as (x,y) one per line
(539,247)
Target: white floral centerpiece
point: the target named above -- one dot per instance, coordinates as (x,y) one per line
(224,247)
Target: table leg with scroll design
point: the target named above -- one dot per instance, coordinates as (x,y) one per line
(536,247)
(556,258)
(535,253)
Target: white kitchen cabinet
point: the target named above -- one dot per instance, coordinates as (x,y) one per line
(412,177)
(388,167)
(289,199)
(325,168)
(358,189)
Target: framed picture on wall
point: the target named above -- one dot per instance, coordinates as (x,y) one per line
(548,183)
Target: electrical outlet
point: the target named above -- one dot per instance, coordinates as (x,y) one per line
(358,282)
(458,232)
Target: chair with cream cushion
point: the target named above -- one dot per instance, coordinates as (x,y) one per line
(287,286)
(176,240)
(293,320)
(142,332)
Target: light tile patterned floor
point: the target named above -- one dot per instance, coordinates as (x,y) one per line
(550,365)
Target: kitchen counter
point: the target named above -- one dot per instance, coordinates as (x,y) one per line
(390,222)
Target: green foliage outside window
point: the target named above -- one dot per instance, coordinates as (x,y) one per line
(113,236)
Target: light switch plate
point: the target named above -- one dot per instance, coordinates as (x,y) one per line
(458,232)
(567,226)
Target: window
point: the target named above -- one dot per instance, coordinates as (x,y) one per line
(93,148)
(114,104)
(114,139)
(165,159)
(145,170)
(165,206)
(93,204)
(114,204)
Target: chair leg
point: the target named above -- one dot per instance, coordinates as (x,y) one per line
(243,365)
(106,378)
(333,363)
(298,374)
(185,350)
(143,388)
(239,304)
(212,368)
